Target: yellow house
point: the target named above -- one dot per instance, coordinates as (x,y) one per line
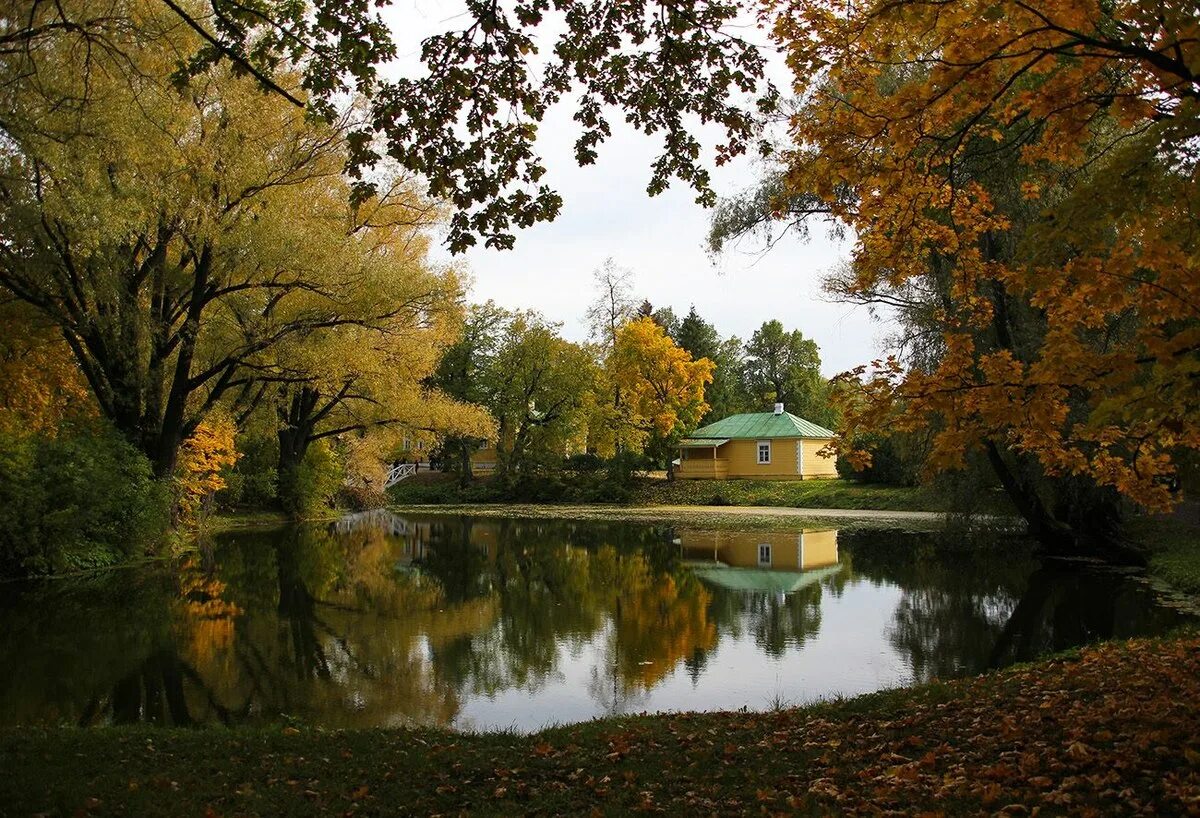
(484,459)
(761,445)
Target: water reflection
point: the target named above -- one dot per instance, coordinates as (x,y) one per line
(382,620)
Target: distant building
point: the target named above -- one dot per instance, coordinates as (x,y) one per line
(760,445)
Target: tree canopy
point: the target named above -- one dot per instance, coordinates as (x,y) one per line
(467,120)
(1027,173)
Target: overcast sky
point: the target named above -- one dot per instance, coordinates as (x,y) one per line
(606,213)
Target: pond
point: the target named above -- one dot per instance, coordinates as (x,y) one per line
(477,624)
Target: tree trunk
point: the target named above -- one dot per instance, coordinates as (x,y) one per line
(294,435)
(464,471)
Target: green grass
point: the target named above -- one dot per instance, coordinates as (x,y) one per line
(795,494)
(826,494)
(1058,735)
(718,519)
(1174,550)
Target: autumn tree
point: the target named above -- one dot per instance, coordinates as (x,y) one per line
(538,385)
(1031,166)
(159,227)
(367,380)
(462,373)
(663,388)
(41,386)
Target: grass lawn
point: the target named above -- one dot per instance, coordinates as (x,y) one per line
(794,493)
(1174,550)
(840,494)
(1110,730)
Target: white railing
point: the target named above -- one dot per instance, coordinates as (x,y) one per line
(398,472)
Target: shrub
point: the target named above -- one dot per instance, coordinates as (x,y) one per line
(85,498)
(361,498)
(896,460)
(587,462)
(622,467)
(312,487)
(253,481)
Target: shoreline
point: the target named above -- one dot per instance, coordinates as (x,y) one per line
(1106,728)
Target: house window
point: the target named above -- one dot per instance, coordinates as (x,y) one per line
(764,554)
(764,452)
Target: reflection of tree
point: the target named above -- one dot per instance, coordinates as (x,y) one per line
(546,602)
(966,607)
(344,637)
(955,597)
(563,586)
(659,621)
(778,622)
(1063,606)
(390,624)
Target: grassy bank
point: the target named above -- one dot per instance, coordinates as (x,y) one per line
(1108,731)
(843,494)
(790,493)
(692,517)
(1173,547)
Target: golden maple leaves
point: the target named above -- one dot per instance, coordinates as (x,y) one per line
(663,387)
(203,458)
(1027,153)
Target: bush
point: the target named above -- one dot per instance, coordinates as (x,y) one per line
(587,462)
(253,481)
(83,499)
(312,487)
(896,460)
(361,498)
(622,467)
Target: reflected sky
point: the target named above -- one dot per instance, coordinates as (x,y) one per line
(379,619)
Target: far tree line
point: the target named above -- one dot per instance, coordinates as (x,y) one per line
(644,379)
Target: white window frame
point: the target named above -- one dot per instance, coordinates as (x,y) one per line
(758,449)
(764,553)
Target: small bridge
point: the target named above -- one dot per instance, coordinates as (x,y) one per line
(399,472)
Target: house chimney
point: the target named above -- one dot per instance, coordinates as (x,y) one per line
(779,408)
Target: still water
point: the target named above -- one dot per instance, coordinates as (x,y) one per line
(380,619)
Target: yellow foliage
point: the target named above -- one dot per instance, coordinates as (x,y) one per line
(1096,106)
(661,387)
(202,457)
(40,383)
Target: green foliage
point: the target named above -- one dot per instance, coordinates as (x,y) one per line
(313,486)
(786,493)
(83,499)
(785,367)
(253,480)
(896,460)
(583,462)
(1173,546)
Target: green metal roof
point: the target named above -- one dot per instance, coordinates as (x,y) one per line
(761,425)
(762,580)
(706,443)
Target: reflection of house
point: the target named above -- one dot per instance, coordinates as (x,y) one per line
(804,550)
(768,445)
(762,562)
